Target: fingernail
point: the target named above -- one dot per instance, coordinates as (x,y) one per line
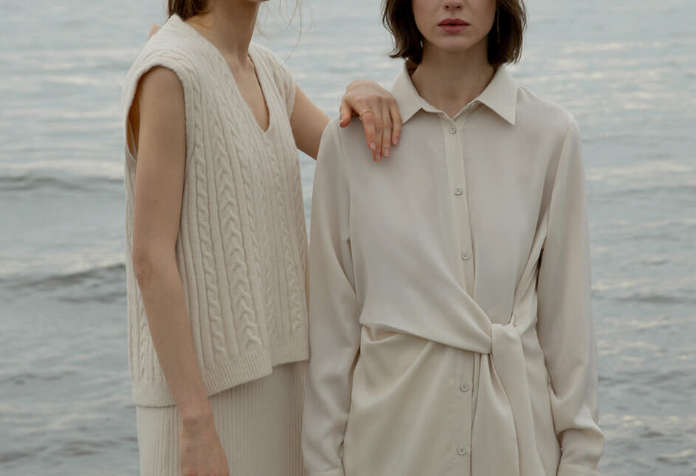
(387,152)
(373,146)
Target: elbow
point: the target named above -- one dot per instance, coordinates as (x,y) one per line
(142,266)
(147,264)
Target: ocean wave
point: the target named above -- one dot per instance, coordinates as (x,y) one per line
(29,181)
(81,168)
(688,189)
(102,283)
(647,171)
(676,291)
(12,456)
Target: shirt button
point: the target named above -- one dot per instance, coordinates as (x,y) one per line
(464,387)
(459,191)
(461,451)
(452,130)
(465,255)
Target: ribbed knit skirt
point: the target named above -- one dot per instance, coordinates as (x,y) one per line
(258,422)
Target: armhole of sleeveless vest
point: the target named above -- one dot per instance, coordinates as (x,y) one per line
(133,80)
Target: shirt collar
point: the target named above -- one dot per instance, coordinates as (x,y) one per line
(500,95)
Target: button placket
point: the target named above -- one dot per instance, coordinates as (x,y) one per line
(453,160)
(462,205)
(454,150)
(464,377)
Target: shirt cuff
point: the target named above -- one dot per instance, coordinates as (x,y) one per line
(575,470)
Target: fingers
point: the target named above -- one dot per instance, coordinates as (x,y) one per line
(344,113)
(153,30)
(386,130)
(371,135)
(396,123)
(376,118)
(378,112)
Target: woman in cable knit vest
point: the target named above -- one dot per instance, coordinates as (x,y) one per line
(216,242)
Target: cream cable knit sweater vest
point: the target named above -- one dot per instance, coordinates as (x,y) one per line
(242,243)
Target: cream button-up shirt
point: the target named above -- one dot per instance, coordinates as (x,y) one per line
(450,317)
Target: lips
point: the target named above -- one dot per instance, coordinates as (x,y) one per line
(453,22)
(453,26)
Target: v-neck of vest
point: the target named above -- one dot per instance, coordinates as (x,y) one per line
(259,71)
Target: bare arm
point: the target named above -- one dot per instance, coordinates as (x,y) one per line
(158,116)
(159,189)
(308,123)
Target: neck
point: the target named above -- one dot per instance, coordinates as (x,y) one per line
(450,81)
(229,25)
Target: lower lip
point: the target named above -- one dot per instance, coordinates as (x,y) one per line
(453,28)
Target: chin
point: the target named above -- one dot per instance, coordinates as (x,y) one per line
(454,45)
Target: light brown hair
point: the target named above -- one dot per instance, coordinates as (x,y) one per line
(504,40)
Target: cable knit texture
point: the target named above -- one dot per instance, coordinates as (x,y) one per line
(242,244)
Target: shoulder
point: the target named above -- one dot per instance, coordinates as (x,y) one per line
(551,127)
(343,151)
(167,61)
(265,55)
(174,46)
(348,141)
(161,83)
(331,149)
(544,117)
(281,77)
(271,61)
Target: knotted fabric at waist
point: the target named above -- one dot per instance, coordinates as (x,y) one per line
(503,436)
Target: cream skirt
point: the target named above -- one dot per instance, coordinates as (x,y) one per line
(259,424)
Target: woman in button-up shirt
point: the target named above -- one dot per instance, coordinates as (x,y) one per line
(450,318)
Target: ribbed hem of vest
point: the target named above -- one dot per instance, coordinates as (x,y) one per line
(224,376)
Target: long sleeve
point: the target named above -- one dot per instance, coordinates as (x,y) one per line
(334,329)
(565,317)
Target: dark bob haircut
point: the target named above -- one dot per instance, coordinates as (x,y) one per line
(187,8)
(504,39)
